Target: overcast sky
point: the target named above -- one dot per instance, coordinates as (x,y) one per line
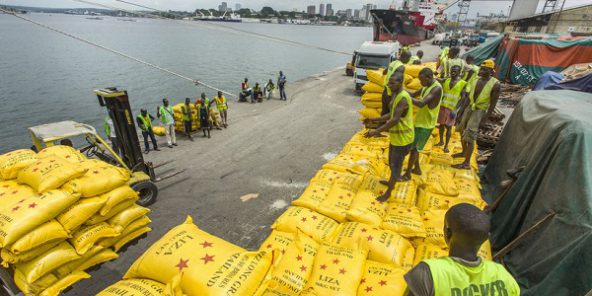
(483,7)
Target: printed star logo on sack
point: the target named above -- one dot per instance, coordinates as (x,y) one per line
(95,172)
(342,271)
(368,289)
(298,258)
(32,206)
(15,208)
(364,230)
(323,267)
(303,268)
(370,238)
(362,281)
(182,264)
(382,283)
(206,244)
(207,258)
(336,261)
(269,246)
(314,217)
(303,219)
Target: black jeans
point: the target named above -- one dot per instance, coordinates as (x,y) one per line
(150,133)
(282,92)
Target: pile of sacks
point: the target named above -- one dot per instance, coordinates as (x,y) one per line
(372,97)
(336,239)
(178,114)
(60,214)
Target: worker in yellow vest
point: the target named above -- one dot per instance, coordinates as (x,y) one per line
(144,121)
(400,128)
(187,117)
(463,272)
(222,105)
(167,117)
(453,90)
(483,95)
(396,66)
(442,58)
(416,59)
(425,119)
(452,60)
(472,69)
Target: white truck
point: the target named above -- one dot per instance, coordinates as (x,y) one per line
(373,55)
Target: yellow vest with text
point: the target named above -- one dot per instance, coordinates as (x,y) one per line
(146,122)
(426,117)
(450,97)
(402,134)
(484,99)
(451,278)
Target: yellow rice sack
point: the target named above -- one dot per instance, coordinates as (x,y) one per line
(372,97)
(65,152)
(30,212)
(468,189)
(86,237)
(12,163)
(36,287)
(97,218)
(405,221)
(47,233)
(382,279)
(469,175)
(325,177)
(90,164)
(134,287)
(132,227)
(372,184)
(290,275)
(80,212)
(437,156)
(278,240)
(433,221)
(428,251)
(10,258)
(47,262)
(99,258)
(159,131)
(383,245)
(117,196)
(49,173)
(366,209)
(372,87)
(404,193)
(428,200)
(372,104)
(441,182)
(98,181)
(72,266)
(129,215)
(413,70)
(361,151)
(313,195)
(129,237)
(64,283)
(376,77)
(313,224)
(336,271)
(413,84)
(340,197)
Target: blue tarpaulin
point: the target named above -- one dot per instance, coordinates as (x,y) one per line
(549,78)
(583,83)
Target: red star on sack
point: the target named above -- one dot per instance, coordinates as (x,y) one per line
(207,258)
(53,160)
(303,268)
(182,264)
(15,208)
(370,238)
(269,246)
(382,283)
(323,266)
(298,258)
(364,230)
(314,191)
(35,169)
(206,244)
(32,206)
(380,192)
(340,197)
(373,203)
(342,271)
(68,156)
(368,289)
(14,192)
(335,261)
(349,194)
(95,172)
(362,281)
(303,219)
(314,217)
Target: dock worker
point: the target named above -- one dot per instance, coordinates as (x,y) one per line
(257,93)
(452,60)
(466,228)
(416,59)
(473,72)
(396,66)
(425,119)
(246,91)
(399,124)
(268,89)
(203,105)
(144,121)
(281,82)
(483,95)
(442,58)
(222,105)
(186,110)
(165,113)
(453,90)
(110,132)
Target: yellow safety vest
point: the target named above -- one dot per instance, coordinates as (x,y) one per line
(488,278)
(394,65)
(402,134)
(146,121)
(475,75)
(450,63)
(413,59)
(451,97)
(186,117)
(484,99)
(220,102)
(166,115)
(426,117)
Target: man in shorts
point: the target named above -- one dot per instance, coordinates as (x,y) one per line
(454,90)
(483,95)
(425,119)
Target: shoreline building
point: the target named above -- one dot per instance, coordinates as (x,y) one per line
(322,9)
(311,9)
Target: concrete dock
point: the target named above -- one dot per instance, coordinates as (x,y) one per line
(270,150)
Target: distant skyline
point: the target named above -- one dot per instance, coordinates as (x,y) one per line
(484,7)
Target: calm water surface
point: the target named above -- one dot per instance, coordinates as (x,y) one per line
(47,77)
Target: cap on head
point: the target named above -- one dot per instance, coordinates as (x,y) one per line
(488,64)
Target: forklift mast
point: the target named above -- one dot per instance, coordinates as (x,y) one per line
(118,106)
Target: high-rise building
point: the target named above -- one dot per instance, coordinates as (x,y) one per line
(311,9)
(348,13)
(356,14)
(237,6)
(223,7)
(322,9)
(363,14)
(367,15)
(329,11)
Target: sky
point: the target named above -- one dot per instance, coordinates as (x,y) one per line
(483,7)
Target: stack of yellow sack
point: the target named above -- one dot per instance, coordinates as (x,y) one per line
(60,214)
(178,114)
(412,82)
(372,97)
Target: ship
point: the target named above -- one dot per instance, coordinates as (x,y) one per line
(407,27)
(230,18)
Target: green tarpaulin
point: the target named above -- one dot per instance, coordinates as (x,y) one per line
(486,50)
(550,134)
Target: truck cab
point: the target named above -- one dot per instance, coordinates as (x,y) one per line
(373,55)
